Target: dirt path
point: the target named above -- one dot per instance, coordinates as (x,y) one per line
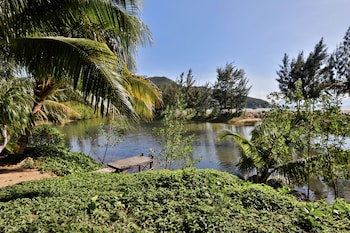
(14,174)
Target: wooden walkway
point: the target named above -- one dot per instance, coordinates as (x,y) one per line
(140,161)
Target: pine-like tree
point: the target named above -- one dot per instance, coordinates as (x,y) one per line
(196,98)
(313,72)
(231,90)
(341,65)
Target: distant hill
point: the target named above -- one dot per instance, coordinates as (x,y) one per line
(251,102)
(256,103)
(161,81)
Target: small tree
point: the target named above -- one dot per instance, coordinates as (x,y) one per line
(176,144)
(269,150)
(47,134)
(113,133)
(333,158)
(231,90)
(196,98)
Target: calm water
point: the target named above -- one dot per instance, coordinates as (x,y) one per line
(87,137)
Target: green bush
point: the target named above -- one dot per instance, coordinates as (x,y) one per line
(60,160)
(47,134)
(188,200)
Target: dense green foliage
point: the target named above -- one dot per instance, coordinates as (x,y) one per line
(93,55)
(231,89)
(196,98)
(164,84)
(299,140)
(15,108)
(59,160)
(85,111)
(162,201)
(341,66)
(47,134)
(314,73)
(175,142)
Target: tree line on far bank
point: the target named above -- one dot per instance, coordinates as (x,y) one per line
(229,94)
(320,73)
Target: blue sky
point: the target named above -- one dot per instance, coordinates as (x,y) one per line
(253,34)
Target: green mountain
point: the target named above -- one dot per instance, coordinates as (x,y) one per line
(162,81)
(251,102)
(257,103)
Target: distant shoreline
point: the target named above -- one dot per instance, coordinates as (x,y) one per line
(251,116)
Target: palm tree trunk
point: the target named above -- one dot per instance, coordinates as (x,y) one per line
(265,174)
(22,142)
(24,139)
(6,138)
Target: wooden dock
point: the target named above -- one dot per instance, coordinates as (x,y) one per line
(140,161)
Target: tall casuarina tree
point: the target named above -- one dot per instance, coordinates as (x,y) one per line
(341,63)
(313,72)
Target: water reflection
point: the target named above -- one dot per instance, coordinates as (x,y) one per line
(224,155)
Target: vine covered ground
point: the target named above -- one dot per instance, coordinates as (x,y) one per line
(190,200)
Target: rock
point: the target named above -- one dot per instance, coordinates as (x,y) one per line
(27,163)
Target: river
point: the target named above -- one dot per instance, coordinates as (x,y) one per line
(88,138)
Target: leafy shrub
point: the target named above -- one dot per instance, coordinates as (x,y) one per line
(188,200)
(47,134)
(60,160)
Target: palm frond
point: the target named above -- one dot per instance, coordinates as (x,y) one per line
(76,61)
(28,16)
(115,23)
(145,95)
(16,101)
(249,155)
(245,145)
(56,112)
(296,170)
(293,170)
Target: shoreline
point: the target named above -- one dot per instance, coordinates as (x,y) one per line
(252,116)
(249,117)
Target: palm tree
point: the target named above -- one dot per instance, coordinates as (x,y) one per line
(85,44)
(16,101)
(253,158)
(271,151)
